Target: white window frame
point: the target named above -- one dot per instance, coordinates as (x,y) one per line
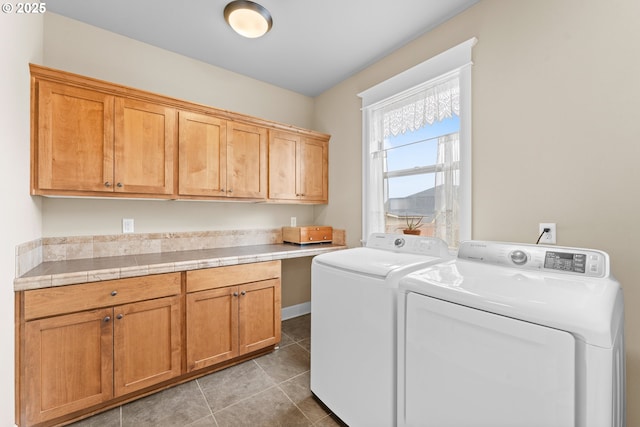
(457,58)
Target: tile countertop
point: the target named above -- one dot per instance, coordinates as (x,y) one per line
(60,273)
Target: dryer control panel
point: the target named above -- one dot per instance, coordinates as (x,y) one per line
(578,261)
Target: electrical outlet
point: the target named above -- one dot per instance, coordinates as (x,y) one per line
(127,225)
(548,238)
(293,221)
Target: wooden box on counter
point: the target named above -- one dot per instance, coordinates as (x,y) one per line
(307,234)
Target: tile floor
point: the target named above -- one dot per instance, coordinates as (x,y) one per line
(272,390)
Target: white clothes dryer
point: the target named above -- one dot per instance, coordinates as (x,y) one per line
(512,335)
(353,324)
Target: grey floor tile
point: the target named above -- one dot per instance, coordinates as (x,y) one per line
(226,387)
(286,340)
(268,409)
(285,363)
(330,421)
(305,343)
(110,418)
(207,421)
(298,328)
(177,406)
(297,389)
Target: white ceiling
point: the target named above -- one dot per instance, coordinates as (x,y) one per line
(313,45)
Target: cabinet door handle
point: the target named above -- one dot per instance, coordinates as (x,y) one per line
(235,294)
(120,316)
(243,293)
(231,191)
(114,293)
(107,319)
(107,184)
(119,185)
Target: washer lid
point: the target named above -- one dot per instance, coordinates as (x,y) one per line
(590,308)
(373,262)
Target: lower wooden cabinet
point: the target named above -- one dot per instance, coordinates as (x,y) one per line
(84,348)
(69,364)
(231,311)
(146,344)
(78,360)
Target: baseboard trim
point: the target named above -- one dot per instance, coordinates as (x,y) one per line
(296,310)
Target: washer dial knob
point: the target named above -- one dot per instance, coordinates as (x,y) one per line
(399,242)
(518,257)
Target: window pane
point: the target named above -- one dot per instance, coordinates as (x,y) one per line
(413,155)
(409,180)
(411,195)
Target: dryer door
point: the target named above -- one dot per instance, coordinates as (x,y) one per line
(467,367)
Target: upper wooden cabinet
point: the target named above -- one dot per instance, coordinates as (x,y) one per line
(74,139)
(221,158)
(298,168)
(202,153)
(144,147)
(90,141)
(246,161)
(94,138)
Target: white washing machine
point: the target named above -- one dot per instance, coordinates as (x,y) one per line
(353,324)
(512,335)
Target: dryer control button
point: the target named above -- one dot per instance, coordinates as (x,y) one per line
(399,242)
(518,257)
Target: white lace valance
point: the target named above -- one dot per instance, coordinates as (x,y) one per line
(425,107)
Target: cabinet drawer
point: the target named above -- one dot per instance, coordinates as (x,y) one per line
(311,234)
(72,298)
(218,277)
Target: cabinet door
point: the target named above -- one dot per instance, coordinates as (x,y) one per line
(212,327)
(74,146)
(144,147)
(68,363)
(146,343)
(246,161)
(283,165)
(202,145)
(259,314)
(313,170)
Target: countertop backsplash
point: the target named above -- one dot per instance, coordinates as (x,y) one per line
(31,254)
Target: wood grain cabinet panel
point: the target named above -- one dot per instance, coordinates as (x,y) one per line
(221,158)
(212,327)
(298,168)
(202,153)
(74,140)
(69,364)
(94,138)
(246,161)
(144,147)
(283,167)
(313,170)
(147,343)
(86,357)
(259,314)
(90,141)
(225,322)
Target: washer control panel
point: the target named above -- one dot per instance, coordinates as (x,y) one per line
(583,262)
(424,245)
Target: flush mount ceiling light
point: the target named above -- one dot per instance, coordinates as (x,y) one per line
(247,18)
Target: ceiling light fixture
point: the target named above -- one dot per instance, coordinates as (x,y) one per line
(247,18)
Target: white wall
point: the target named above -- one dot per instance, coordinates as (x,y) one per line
(83,49)
(556,135)
(20,43)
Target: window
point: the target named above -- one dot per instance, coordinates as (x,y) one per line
(416,149)
(415,176)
